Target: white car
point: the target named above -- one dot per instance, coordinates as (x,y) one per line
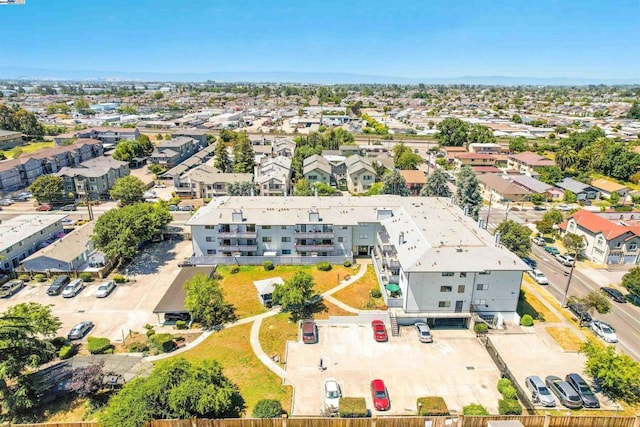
(565,260)
(564,208)
(538,276)
(332,394)
(105,289)
(604,331)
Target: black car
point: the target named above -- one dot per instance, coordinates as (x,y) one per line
(173,317)
(530,262)
(58,285)
(589,399)
(564,392)
(580,311)
(615,294)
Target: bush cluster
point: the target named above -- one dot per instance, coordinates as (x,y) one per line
(181,324)
(40,278)
(137,347)
(352,407)
(119,278)
(268,408)
(432,406)
(97,345)
(526,320)
(235,269)
(508,405)
(480,328)
(347,263)
(162,342)
(268,266)
(474,409)
(67,351)
(376,293)
(24,277)
(150,332)
(86,277)
(324,266)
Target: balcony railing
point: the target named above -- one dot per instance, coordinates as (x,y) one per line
(314,248)
(238,234)
(311,234)
(238,248)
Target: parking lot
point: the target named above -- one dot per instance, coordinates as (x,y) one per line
(455,366)
(128,307)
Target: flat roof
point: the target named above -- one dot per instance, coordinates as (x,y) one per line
(17,229)
(173,300)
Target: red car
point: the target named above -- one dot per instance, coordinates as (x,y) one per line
(44,207)
(380,396)
(379,331)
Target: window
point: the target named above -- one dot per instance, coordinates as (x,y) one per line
(617,245)
(463,274)
(286,252)
(340,239)
(461,289)
(313,177)
(444,304)
(285,239)
(364,236)
(266,239)
(480,302)
(283,227)
(266,227)
(482,287)
(209,239)
(209,227)
(211,251)
(485,273)
(367,178)
(633,246)
(446,288)
(447,274)
(600,241)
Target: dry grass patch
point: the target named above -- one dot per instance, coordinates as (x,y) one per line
(331,310)
(565,338)
(275,331)
(231,348)
(357,295)
(30,147)
(535,306)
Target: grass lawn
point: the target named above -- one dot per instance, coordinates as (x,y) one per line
(240,292)
(275,331)
(357,294)
(231,348)
(530,304)
(29,148)
(565,338)
(331,310)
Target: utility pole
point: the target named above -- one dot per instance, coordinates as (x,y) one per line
(566,288)
(486,223)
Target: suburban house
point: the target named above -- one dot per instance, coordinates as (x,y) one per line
(611,237)
(199,135)
(93,178)
(104,134)
(205,181)
(10,139)
(316,168)
(431,261)
(360,174)
(473,159)
(528,163)
(350,150)
(273,176)
(283,147)
(488,148)
(23,235)
(499,189)
(535,186)
(197,159)
(75,252)
(582,191)
(21,172)
(415,180)
(174,151)
(607,187)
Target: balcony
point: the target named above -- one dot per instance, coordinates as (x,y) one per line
(314,248)
(326,233)
(238,234)
(238,248)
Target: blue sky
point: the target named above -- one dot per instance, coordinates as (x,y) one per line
(422,38)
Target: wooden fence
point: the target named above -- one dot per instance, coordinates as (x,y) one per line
(460,421)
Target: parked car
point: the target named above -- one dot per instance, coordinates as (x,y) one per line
(6,202)
(538,276)
(174,317)
(564,208)
(58,284)
(68,222)
(580,311)
(332,394)
(615,294)
(604,331)
(187,208)
(380,396)
(566,260)
(44,207)
(80,330)
(72,289)
(540,241)
(159,185)
(173,208)
(551,250)
(105,289)
(423,331)
(589,399)
(564,392)
(379,331)
(69,208)
(309,331)
(539,392)
(82,221)
(10,288)
(530,262)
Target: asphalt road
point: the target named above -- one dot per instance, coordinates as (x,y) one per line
(625,318)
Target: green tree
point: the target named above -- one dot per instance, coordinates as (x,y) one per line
(614,199)
(634,111)
(537,199)
(157,95)
(544,226)
(176,388)
(81,105)
(468,193)
(515,237)
(452,132)
(569,196)
(518,144)
(205,301)
(436,185)
(302,188)
(127,149)
(566,156)
(596,300)
(619,161)
(241,189)
(295,294)
(394,183)
(25,330)
(617,374)
(550,174)
(554,216)
(480,134)
(404,158)
(631,281)
(47,188)
(28,124)
(516,118)
(243,155)
(324,189)
(221,161)
(128,189)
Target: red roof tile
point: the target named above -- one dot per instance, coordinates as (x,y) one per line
(597,224)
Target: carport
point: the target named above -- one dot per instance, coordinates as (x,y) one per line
(173,300)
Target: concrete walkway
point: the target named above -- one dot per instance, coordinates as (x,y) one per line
(328,294)
(257,348)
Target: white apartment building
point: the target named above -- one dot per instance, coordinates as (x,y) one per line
(23,235)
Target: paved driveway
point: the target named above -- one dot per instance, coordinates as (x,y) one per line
(455,367)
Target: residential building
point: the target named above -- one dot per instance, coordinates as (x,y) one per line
(10,139)
(174,151)
(607,187)
(528,163)
(23,235)
(104,134)
(488,148)
(532,185)
(199,135)
(197,159)
(473,159)
(206,182)
(93,178)
(611,237)
(581,190)
(273,176)
(415,180)
(350,150)
(431,260)
(499,189)
(75,252)
(360,174)
(316,168)
(283,147)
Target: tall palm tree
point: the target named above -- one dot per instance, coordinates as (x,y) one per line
(566,156)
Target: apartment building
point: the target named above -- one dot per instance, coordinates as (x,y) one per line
(528,163)
(93,178)
(273,176)
(104,134)
(174,151)
(360,174)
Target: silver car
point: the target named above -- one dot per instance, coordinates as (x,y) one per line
(423,331)
(72,289)
(539,392)
(105,289)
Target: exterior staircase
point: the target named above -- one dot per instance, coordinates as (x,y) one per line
(395,328)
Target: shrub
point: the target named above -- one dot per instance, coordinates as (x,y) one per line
(504,382)
(24,277)
(235,269)
(58,342)
(509,392)
(509,407)
(40,278)
(526,320)
(119,278)
(324,266)
(150,332)
(352,407)
(268,266)
(347,263)
(174,200)
(432,405)
(376,293)
(480,328)
(474,409)
(181,324)
(148,326)
(217,276)
(267,408)
(86,277)
(137,347)
(97,345)
(67,351)
(162,342)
